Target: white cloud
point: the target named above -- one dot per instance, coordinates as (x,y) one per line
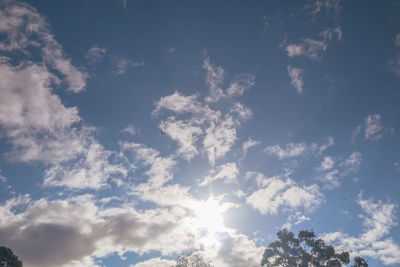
(296,219)
(27,100)
(130,129)
(397,165)
(327,163)
(207,130)
(240,85)
(241,111)
(220,136)
(186,134)
(373,128)
(123,64)
(309,48)
(95,54)
(238,251)
(171,50)
(34,119)
(375,240)
(214,80)
(331,179)
(155,262)
(179,103)
(160,168)
(91,169)
(41,129)
(288,151)
(296,78)
(397,41)
(394,63)
(331,7)
(227,172)
(198,128)
(330,142)
(24,29)
(248,144)
(2,177)
(329,34)
(166,195)
(283,193)
(292,150)
(353,162)
(313,49)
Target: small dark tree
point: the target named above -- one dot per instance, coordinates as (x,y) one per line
(8,258)
(305,251)
(360,262)
(191,259)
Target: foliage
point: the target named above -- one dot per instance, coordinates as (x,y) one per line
(191,259)
(305,251)
(8,258)
(360,262)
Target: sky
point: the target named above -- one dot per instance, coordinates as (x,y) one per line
(132,131)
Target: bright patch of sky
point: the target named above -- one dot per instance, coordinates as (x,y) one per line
(133,131)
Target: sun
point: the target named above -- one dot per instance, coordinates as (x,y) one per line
(208,218)
(209,214)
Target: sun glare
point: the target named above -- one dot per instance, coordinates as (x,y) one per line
(208,218)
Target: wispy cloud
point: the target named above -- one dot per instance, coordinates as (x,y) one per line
(353,162)
(2,177)
(328,7)
(288,151)
(313,49)
(130,129)
(171,50)
(332,177)
(394,63)
(227,172)
(292,150)
(215,80)
(247,145)
(160,168)
(123,64)
(240,85)
(296,78)
(372,128)
(95,54)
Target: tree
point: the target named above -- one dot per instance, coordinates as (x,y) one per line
(360,262)
(8,258)
(305,251)
(191,259)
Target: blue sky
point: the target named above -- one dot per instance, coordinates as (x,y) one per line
(133,131)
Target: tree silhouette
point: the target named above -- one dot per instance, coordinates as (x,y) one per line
(305,251)
(8,258)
